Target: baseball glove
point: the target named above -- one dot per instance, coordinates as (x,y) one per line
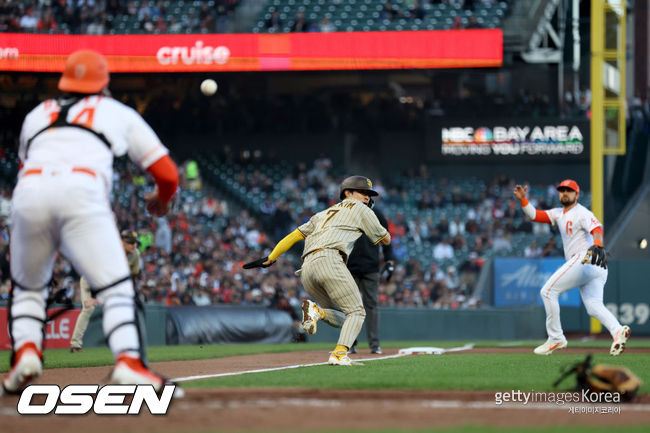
(598,256)
(602,378)
(259,263)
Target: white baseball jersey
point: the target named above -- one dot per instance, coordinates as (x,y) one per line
(63,148)
(339,226)
(575,228)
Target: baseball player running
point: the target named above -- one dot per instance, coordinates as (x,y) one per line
(60,203)
(88,303)
(329,238)
(586,266)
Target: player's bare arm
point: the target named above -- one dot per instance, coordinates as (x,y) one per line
(539,216)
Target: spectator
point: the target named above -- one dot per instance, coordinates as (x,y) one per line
(473,23)
(274,24)
(163,235)
(96,27)
(389,12)
(326,25)
(533,250)
(47,24)
(443,251)
(550,249)
(300,24)
(29,21)
(175,26)
(144,12)
(416,11)
(456,227)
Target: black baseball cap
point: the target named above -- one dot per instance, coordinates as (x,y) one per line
(130,237)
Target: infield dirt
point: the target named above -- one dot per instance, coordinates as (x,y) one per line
(292,409)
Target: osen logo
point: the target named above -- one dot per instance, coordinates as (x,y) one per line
(81,399)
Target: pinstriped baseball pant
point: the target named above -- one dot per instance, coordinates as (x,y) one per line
(328,281)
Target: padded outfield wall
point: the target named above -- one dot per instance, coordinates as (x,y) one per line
(626,295)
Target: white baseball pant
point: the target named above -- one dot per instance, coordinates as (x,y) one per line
(590,279)
(68,211)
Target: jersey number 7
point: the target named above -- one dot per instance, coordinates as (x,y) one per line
(331,214)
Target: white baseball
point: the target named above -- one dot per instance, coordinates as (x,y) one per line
(209,87)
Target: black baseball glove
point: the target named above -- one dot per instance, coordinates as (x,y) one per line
(598,256)
(388,269)
(259,263)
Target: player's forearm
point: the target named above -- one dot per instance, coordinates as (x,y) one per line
(165,173)
(286,243)
(536,215)
(597,233)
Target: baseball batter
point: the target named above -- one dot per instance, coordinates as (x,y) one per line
(586,266)
(60,203)
(329,238)
(88,303)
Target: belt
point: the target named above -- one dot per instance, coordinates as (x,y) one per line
(345,257)
(34,171)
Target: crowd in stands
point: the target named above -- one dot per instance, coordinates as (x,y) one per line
(98,17)
(357,15)
(194,255)
(460,245)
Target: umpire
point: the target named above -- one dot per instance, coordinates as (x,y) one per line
(363,264)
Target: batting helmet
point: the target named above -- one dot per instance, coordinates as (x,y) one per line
(85,71)
(357,183)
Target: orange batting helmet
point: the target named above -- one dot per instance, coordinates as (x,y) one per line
(85,71)
(569,183)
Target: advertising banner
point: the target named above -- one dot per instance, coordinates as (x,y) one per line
(57,332)
(260,52)
(510,139)
(517,282)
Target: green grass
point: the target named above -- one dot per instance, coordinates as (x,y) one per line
(445,372)
(93,357)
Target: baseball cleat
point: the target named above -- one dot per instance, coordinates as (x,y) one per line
(131,371)
(550,346)
(618,345)
(27,368)
(311,314)
(340,357)
(376,351)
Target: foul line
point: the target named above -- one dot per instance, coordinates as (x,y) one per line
(290,367)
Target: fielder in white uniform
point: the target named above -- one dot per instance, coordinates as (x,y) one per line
(329,238)
(586,266)
(60,204)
